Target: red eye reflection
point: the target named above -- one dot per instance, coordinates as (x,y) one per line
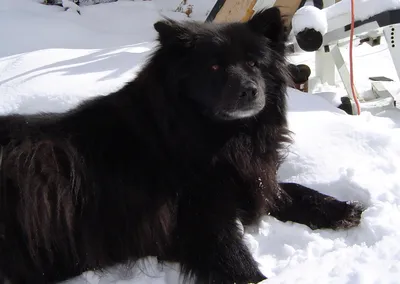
(251,63)
(215,67)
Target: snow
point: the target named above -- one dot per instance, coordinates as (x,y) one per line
(200,8)
(309,17)
(51,59)
(363,8)
(70,5)
(312,17)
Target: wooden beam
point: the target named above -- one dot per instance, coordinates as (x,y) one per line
(249,11)
(235,10)
(242,10)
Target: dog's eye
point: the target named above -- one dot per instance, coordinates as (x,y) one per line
(215,67)
(251,63)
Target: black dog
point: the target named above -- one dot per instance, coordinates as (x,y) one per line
(163,167)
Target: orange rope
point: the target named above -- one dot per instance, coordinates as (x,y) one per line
(351,59)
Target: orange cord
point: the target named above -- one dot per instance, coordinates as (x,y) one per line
(351,59)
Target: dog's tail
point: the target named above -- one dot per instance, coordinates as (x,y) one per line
(45,180)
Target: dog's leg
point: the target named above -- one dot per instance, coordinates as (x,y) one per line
(211,248)
(316,210)
(3,280)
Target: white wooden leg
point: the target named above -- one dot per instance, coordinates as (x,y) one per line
(324,65)
(392,36)
(344,74)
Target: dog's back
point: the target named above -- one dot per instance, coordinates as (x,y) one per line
(69,182)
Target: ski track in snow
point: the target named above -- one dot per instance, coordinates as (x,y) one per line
(50,60)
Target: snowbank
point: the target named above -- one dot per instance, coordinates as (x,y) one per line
(309,17)
(363,8)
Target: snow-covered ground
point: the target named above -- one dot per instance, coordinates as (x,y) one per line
(51,59)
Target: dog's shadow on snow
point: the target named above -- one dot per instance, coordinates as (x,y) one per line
(114,61)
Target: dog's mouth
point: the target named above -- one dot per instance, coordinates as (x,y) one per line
(242,109)
(240,113)
(236,110)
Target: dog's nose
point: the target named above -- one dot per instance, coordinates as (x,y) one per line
(249,91)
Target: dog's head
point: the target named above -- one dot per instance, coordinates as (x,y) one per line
(229,71)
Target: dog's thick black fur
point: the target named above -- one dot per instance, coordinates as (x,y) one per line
(163,167)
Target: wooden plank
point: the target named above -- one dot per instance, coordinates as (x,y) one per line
(234,11)
(242,10)
(249,11)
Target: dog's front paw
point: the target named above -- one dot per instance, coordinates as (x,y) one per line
(351,215)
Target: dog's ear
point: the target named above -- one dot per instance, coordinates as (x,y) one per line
(269,22)
(173,32)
